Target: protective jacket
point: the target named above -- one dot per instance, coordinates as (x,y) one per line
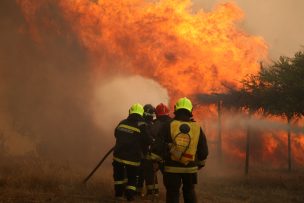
(131,139)
(193,155)
(146,173)
(149,124)
(158,124)
(157,148)
(149,174)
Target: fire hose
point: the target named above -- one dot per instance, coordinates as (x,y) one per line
(98,165)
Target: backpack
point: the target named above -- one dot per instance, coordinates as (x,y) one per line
(184,141)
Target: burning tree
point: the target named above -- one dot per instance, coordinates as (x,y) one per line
(277,90)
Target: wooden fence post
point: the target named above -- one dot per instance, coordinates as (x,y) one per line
(248,144)
(219,134)
(289,144)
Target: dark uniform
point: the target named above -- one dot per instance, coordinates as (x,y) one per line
(158,125)
(131,138)
(146,174)
(182,170)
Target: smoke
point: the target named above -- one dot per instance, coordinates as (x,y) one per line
(51,102)
(274,124)
(43,92)
(268,139)
(279,22)
(113,100)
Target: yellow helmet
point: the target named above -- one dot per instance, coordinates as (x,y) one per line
(137,108)
(183,103)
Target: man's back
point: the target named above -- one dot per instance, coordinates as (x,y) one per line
(131,136)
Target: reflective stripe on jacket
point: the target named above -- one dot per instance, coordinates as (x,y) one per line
(131,140)
(127,128)
(172,169)
(132,163)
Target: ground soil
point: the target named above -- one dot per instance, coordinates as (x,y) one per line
(44,182)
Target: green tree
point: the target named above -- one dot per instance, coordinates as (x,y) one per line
(298,83)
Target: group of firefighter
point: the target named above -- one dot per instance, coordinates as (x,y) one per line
(144,145)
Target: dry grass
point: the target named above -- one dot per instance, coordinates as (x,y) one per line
(41,181)
(265,186)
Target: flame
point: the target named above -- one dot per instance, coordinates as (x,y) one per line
(29,10)
(185,52)
(298,149)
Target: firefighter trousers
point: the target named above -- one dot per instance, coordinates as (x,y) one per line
(148,176)
(173,182)
(125,179)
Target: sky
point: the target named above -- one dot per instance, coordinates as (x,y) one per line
(279,22)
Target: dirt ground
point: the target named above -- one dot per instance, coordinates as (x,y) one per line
(45,182)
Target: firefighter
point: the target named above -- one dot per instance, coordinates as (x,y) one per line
(162,117)
(184,151)
(131,137)
(146,175)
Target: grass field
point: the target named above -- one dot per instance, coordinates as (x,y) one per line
(38,181)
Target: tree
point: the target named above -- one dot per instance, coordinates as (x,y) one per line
(276,90)
(279,89)
(298,83)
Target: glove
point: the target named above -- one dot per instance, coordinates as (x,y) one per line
(161,166)
(155,166)
(200,164)
(200,167)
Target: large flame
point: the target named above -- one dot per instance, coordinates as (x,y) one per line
(185,52)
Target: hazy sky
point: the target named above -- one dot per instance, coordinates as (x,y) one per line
(279,22)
